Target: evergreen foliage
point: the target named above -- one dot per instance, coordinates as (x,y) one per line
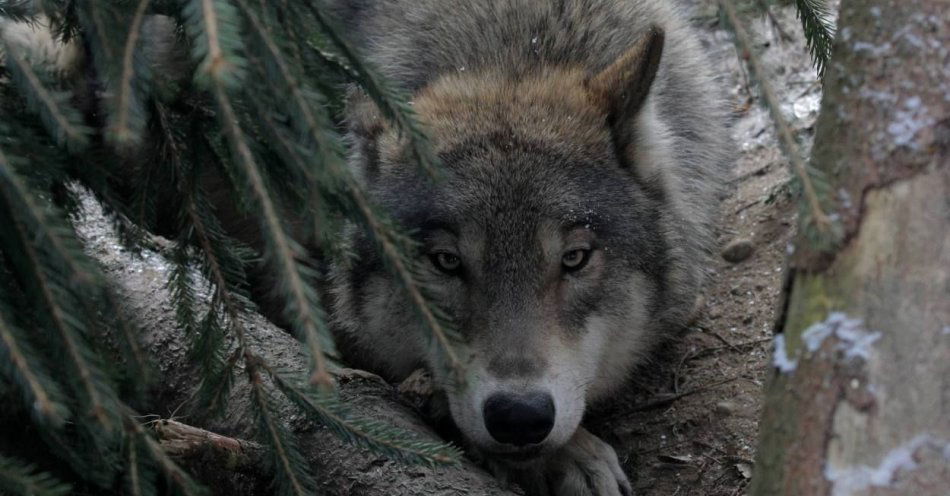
(822,229)
(241,107)
(819,31)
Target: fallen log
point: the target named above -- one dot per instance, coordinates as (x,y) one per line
(339,468)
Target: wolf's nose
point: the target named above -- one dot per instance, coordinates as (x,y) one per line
(519,419)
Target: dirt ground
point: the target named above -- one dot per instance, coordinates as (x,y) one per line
(688,425)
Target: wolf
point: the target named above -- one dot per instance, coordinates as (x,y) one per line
(584,147)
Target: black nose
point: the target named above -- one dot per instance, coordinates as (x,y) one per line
(519,419)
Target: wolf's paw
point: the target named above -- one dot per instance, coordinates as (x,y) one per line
(586,466)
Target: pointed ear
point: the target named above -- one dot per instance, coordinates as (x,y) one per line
(365,124)
(622,88)
(363,118)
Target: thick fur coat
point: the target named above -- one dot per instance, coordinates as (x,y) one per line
(585,145)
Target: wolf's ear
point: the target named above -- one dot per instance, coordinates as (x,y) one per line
(365,123)
(363,117)
(622,88)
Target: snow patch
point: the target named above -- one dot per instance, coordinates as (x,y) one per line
(872,49)
(909,121)
(780,356)
(857,479)
(855,340)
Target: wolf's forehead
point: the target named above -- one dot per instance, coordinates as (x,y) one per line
(504,212)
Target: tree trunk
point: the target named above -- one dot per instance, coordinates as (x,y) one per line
(861,400)
(340,469)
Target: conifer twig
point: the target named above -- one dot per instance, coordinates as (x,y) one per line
(788,142)
(819,31)
(36,381)
(334,163)
(122,131)
(389,98)
(184,441)
(90,378)
(292,469)
(370,434)
(301,306)
(392,252)
(63,121)
(22,478)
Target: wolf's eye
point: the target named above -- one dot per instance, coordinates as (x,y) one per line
(446,262)
(575,260)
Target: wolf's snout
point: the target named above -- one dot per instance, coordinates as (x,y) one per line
(519,419)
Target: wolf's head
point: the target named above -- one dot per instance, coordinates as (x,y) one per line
(542,242)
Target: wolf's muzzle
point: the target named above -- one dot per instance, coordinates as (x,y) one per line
(519,419)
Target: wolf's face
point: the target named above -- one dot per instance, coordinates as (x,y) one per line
(541,243)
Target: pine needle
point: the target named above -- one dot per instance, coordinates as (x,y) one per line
(302,307)
(63,122)
(25,368)
(126,100)
(822,221)
(395,251)
(139,479)
(374,435)
(173,473)
(293,475)
(213,25)
(98,392)
(17,477)
(391,100)
(819,31)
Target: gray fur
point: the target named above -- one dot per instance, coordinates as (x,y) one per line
(527,174)
(538,161)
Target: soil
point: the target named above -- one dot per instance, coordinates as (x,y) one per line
(688,424)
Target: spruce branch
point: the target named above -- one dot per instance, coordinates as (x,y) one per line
(83,278)
(302,307)
(819,29)
(743,42)
(173,473)
(51,296)
(224,272)
(19,478)
(126,128)
(213,27)
(292,474)
(394,247)
(391,100)
(313,125)
(373,435)
(62,121)
(139,478)
(23,367)
(89,375)
(182,290)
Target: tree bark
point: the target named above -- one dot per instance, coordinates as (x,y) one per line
(340,468)
(860,403)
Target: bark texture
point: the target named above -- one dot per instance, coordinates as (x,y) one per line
(340,469)
(861,401)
